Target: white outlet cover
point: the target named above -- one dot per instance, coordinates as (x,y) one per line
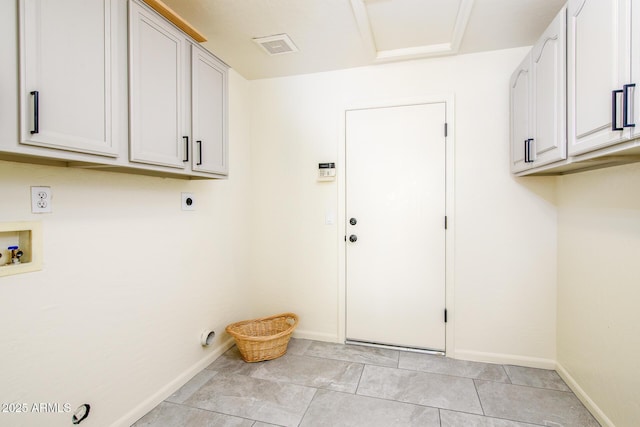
(41,201)
(188,202)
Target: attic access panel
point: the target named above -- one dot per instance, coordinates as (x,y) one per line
(407,29)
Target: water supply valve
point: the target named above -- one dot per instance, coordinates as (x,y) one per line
(16,254)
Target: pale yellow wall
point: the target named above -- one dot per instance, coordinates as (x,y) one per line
(504,228)
(599,290)
(129,281)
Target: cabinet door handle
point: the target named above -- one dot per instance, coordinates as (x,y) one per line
(36,112)
(199,153)
(614,109)
(527,151)
(625,105)
(186,148)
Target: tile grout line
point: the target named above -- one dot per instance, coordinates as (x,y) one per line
(359,380)
(184,405)
(365,362)
(493,417)
(349,361)
(387,399)
(535,387)
(475,386)
(444,375)
(499,418)
(506,372)
(315,393)
(481,379)
(360,362)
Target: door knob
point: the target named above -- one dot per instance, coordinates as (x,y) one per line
(353,238)
(353,221)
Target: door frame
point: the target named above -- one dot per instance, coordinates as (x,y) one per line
(448,100)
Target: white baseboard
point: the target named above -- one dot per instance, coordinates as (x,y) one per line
(504,359)
(584,397)
(316,336)
(148,404)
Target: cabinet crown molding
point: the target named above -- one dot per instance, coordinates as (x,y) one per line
(176,19)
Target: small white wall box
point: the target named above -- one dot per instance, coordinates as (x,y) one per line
(326,171)
(27,236)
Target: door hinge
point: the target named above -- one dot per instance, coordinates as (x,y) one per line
(445,315)
(445,222)
(446,129)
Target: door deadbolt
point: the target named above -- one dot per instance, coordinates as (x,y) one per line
(353,238)
(353,221)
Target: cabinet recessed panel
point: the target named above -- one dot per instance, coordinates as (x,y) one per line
(598,64)
(520,100)
(594,37)
(209,113)
(549,100)
(546,91)
(66,83)
(156,91)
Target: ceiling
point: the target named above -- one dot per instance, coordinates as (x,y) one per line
(337,34)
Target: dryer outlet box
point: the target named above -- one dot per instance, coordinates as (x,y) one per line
(188,202)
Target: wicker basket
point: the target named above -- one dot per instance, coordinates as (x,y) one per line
(265,338)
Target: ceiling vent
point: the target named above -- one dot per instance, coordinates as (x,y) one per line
(277,44)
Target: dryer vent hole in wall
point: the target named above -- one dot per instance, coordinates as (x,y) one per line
(206,338)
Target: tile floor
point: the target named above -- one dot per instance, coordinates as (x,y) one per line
(324,384)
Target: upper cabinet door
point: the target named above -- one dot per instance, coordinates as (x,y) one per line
(66,74)
(598,67)
(157,90)
(633,117)
(520,99)
(548,104)
(209,112)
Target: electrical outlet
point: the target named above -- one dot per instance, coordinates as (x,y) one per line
(41,199)
(188,202)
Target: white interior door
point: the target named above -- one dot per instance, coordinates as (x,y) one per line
(395,207)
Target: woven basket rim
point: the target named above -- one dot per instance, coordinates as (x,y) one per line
(289,330)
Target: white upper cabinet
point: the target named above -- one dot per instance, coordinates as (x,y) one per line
(66,90)
(633,108)
(209,112)
(520,97)
(538,101)
(178,98)
(549,106)
(110,85)
(158,55)
(599,58)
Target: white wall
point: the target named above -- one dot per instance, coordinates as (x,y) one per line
(128,284)
(504,228)
(129,280)
(599,290)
